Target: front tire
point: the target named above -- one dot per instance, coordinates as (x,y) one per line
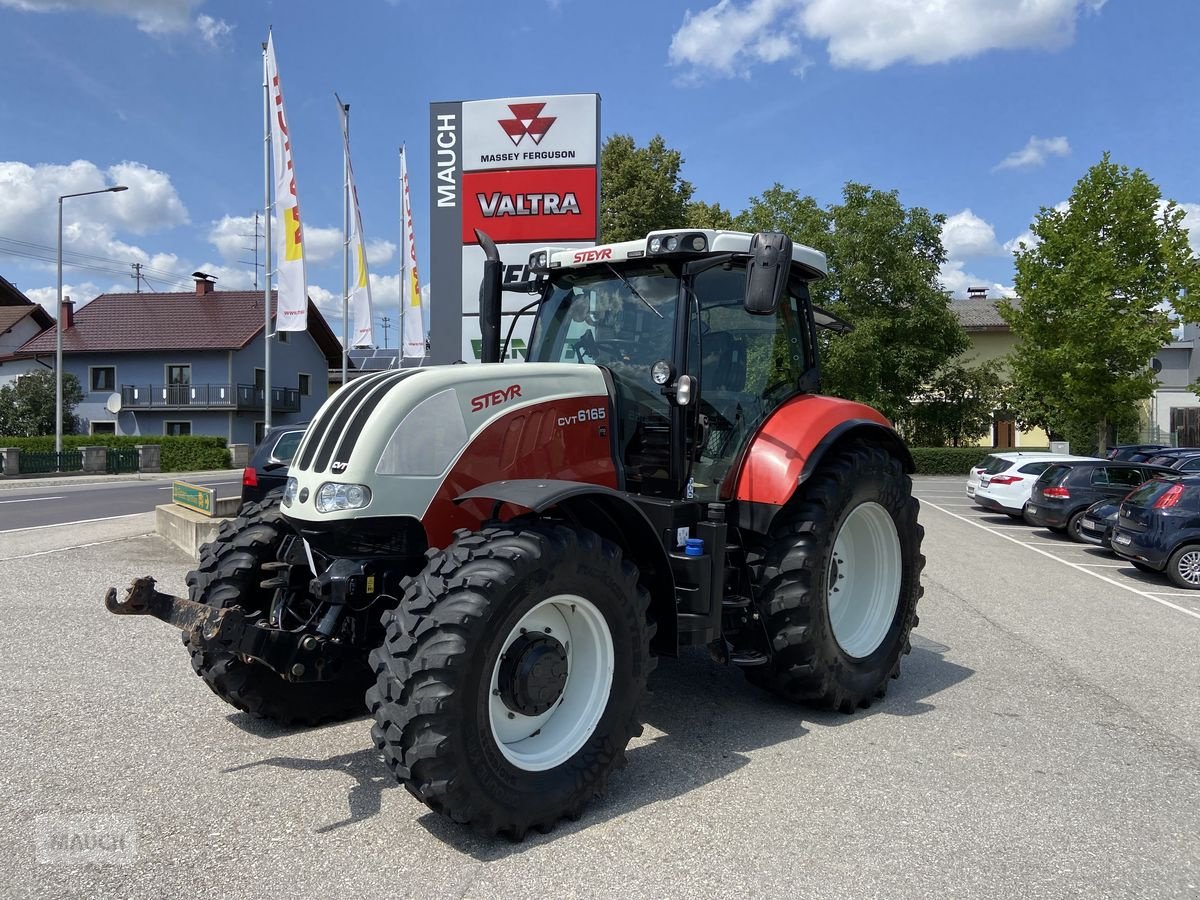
(838,580)
(230,574)
(513,675)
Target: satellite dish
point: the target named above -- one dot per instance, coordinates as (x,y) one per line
(1155,365)
(113,403)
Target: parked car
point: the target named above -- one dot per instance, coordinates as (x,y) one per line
(1183,462)
(268,469)
(1097,523)
(1158,529)
(1007,491)
(1064,491)
(1135,452)
(1167,456)
(998,463)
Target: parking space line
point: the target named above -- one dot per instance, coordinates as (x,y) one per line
(1076,566)
(1108,566)
(4,559)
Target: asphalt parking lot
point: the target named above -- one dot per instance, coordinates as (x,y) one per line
(1043,740)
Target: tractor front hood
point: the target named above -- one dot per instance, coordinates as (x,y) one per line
(382,445)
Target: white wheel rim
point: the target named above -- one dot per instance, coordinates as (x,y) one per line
(864,579)
(538,743)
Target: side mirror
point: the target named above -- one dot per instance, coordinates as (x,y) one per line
(767,272)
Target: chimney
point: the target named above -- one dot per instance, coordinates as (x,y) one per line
(977,293)
(68,313)
(204,283)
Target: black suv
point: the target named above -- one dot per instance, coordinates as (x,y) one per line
(1063,493)
(1158,529)
(268,469)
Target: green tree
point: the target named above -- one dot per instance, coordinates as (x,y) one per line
(27,405)
(1095,291)
(642,188)
(884,260)
(956,407)
(706,215)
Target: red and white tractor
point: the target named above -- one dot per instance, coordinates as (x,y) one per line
(497,554)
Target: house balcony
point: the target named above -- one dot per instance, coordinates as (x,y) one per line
(237,397)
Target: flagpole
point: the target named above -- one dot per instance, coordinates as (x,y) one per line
(345,236)
(267,267)
(403,257)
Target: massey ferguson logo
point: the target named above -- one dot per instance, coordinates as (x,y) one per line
(498,204)
(527,120)
(495,398)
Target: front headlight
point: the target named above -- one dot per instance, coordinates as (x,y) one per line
(289,492)
(332,496)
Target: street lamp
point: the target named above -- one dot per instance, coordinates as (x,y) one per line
(58,330)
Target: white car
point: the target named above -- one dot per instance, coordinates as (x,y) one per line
(1006,484)
(995,463)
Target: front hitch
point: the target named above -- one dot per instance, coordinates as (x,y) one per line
(295,656)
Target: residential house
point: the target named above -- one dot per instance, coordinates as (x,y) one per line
(991,340)
(21,320)
(188,363)
(1172,415)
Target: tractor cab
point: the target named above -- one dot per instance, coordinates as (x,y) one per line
(695,365)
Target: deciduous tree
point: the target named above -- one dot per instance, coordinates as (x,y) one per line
(642,190)
(27,405)
(1096,291)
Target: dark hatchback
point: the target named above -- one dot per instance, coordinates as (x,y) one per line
(1135,452)
(268,469)
(1063,493)
(1158,529)
(1097,523)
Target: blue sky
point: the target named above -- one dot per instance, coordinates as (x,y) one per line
(985,110)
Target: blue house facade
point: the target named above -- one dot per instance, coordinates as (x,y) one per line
(189,363)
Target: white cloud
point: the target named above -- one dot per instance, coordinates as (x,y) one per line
(1191,221)
(726,39)
(82,292)
(729,37)
(91,225)
(965,235)
(1034,153)
(379,252)
(212,30)
(156,17)
(1027,237)
(955,279)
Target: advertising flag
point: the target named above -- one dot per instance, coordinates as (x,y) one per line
(360,283)
(412,321)
(292,308)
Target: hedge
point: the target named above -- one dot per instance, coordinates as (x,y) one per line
(179,454)
(956,460)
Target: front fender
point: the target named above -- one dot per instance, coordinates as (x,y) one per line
(615,517)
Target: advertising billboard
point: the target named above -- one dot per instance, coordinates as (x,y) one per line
(525,170)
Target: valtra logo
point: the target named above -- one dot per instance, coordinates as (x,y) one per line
(527,120)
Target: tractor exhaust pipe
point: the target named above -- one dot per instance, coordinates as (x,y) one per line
(490,292)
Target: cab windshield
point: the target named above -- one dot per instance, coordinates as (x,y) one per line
(598,316)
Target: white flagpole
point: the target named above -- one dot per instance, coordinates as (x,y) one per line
(267,267)
(403,256)
(345,107)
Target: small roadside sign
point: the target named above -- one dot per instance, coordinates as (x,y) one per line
(193,496)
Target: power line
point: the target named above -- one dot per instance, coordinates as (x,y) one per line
(80,260)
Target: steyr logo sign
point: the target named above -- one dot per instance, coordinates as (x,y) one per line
(527,120)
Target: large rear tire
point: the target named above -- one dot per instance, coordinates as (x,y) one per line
(230,574)
(513,675)
(838,580)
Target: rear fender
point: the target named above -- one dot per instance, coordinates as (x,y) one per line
(614,517)
(790,446)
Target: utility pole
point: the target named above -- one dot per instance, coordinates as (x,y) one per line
(257,236)
(385,322)
(137,276)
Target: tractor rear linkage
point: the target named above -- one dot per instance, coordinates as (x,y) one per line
(296,657)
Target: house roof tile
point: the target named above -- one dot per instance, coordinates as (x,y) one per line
(220,320)
(980,314)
